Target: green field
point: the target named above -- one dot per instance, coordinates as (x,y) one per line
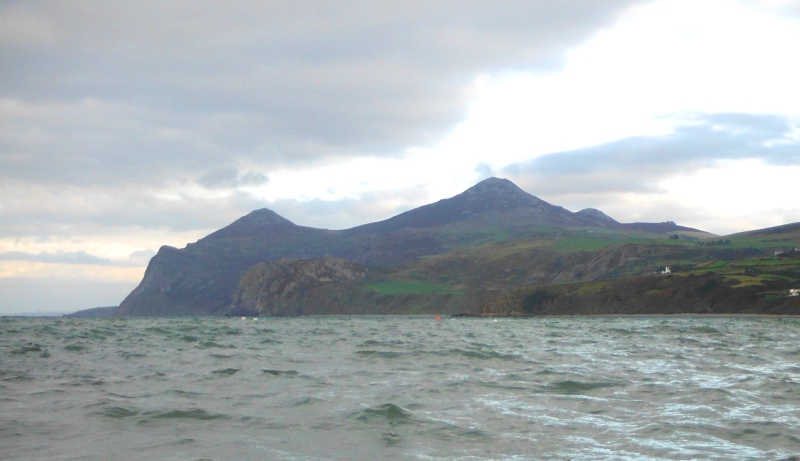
(410,288)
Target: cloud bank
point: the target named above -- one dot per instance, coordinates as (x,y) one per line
(639,164)
(146,92)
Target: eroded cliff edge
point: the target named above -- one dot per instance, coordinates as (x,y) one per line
(286,287)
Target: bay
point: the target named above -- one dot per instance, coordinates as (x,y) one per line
(337,388)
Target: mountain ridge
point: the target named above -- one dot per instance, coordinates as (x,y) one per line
(201,278)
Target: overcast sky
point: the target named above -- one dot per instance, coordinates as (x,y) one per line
(125,126)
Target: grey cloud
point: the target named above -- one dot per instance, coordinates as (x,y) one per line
(42,211)
(121,211)
(352,211)
(25,295)
(637,164)
(484,170)
(229,177)
(144,92)
(65,257)
(141,257)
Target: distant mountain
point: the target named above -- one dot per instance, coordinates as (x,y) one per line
(259,222)
(492,201)
(94,312)
(659,228)
(202,278)
(785,229)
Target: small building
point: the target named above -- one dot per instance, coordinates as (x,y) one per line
(666,270)
(794,292)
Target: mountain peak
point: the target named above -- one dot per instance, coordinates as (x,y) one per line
(495,182)
(496,187)
(252,223)
(498,193)
(481,201)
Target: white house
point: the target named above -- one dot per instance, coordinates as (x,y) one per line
(666,270)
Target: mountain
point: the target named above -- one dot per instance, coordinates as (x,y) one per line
(787,231)
(280,288)
(94,312)
(492,201)
(202,278)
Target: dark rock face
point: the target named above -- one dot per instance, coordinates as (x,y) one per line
(278,288)
(201,278)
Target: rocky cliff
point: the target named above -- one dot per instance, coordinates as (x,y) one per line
(280,288)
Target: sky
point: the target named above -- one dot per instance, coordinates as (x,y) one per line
(129,125)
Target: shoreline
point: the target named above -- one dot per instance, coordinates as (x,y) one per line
(691,315)
(444,316)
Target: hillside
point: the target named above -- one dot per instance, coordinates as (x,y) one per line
(475,251)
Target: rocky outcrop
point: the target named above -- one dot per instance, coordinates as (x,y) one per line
(279,288)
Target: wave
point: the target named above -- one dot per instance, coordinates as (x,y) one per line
(386,413)
(288,373)
(226,371)
(576,387)
(380,354)
(195,413)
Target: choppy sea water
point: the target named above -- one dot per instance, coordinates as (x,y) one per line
(342,388)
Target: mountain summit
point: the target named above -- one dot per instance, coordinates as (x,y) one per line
(252,223)
(494,200)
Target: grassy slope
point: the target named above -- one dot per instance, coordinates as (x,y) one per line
(507,266)
(713,280)
(582,271)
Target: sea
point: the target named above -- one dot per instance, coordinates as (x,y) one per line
(400,388)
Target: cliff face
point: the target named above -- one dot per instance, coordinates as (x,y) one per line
(201,278)
(279,288)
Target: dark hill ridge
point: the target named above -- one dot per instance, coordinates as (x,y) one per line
(489,201)
(659,228)
(256,222)
(793,228)
(202,278)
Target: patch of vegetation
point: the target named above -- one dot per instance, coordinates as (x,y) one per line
(745,280)
(534,300)
(587,243)
(715,264)
(591,287)
(767,262)
(405,288)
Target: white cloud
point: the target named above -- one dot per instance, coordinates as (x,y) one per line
(739,195)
